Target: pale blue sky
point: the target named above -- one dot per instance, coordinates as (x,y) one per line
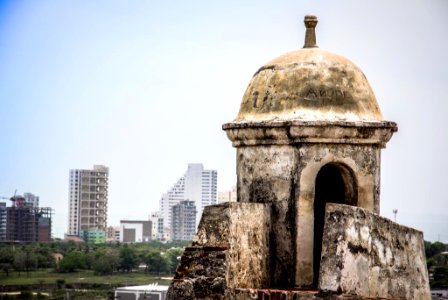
(144,87)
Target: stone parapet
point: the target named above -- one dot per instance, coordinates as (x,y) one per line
(273,294)
(200,274)
(366,255)
(208,262)
(230,250)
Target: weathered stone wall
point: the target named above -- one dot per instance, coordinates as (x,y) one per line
(284,176)
(272,294)
(367,255)
(266,174)
(230,250)
(200,274)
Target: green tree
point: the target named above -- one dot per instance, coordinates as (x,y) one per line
(106,261)
(24,260)
(435,248)
(156,262)
(128,258)
(72,261)
(89,259)
(173,256)
(440,278)
(43,254)
(66,247)
(438,260)
(6,260)
(177,244)
(19,261)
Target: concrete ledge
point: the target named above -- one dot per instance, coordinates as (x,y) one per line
(370,256)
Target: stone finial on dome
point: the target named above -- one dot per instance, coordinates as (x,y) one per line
(310,35)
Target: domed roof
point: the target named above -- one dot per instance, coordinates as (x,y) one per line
(309,84)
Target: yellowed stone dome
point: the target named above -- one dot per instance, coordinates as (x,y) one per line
(309,84)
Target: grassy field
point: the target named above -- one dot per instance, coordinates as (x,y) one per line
(50,277)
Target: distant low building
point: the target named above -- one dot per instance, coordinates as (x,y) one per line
(227,196)
(439,293)
(151,291)
(92,236)
(74,238)
(135,231)
(113,234)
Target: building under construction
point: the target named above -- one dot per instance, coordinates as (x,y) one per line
(26,223)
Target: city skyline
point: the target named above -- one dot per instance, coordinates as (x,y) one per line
(144,89)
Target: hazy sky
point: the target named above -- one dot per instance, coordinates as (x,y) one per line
(144,87)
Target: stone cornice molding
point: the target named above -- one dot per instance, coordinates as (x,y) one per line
(297,132)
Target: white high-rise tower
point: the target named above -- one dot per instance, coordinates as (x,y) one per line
(88,194)
(196,185)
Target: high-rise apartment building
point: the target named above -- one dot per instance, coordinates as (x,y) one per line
(3,221)
(88,195)
(183,224)
(173,196)
(26,223)
(197,185)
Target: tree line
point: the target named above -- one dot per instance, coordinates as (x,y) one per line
(153,257)
(437,262)
(68,256)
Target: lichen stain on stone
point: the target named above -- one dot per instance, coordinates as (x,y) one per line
(355,249)
(261,191)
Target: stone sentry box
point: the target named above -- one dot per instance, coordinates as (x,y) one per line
(297,177)
(308,135)
(309,131)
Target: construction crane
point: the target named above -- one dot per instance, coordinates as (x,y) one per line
(13,198)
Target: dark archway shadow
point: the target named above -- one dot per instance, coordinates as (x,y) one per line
(335,183)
